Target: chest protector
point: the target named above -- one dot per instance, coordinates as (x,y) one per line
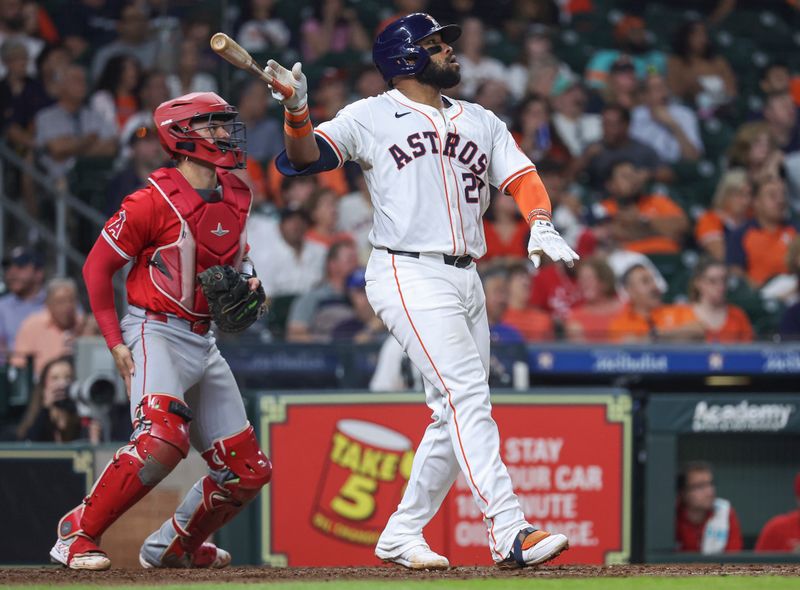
(211,233)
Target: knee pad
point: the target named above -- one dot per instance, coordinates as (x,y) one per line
(160,435)
(240,455)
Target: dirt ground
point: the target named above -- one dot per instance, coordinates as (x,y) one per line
(57,575)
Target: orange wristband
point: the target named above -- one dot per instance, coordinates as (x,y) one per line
(297,124)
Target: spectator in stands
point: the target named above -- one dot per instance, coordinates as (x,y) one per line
(50,64)
(23,275)
(369,82)
(51,415)
(534,324)
(115,92)
(264,134)
(647,223)
(355,215)
(695,73)
(590,321)
(133,39)
(754,150)
(262,31)
(534,134)
(630,35)
(332,94)
(505,230)
(332,28)
(615,146)
(69,129)
(622,87)
(760,247)
(780,115)
(146,155)
(568,210)
(555,290)
(495,285)
(21,97)
(789,328)
(669,128)
(782,532)
(731,207)
(288,264)
(87,23)
(314,314)
(189,78)
(363,326)
(642,318)
(12,26)
(476,67)
(777,78)
(493,95)
(704,523)
(536,64)
(577,128)
(51,332)
(322,209)
(152,93)
(708,306)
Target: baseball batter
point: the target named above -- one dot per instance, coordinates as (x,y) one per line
(188,218)
(428,161)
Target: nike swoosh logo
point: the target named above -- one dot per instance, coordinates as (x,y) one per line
(398,115)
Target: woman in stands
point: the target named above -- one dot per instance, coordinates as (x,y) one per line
(708,305)
(731,204)
(589,322)
(696,74)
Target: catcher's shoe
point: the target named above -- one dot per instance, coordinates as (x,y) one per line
(419,557)
(74,548)
(533,547)
(207,556)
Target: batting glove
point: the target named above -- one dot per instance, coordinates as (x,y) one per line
(546,240)
(294,78)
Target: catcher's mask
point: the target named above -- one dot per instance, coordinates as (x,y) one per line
(202,126)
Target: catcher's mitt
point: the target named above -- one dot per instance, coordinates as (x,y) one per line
(233,305)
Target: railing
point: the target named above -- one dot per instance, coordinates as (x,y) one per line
(64,204)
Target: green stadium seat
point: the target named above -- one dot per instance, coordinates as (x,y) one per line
(277,314)
(717,136)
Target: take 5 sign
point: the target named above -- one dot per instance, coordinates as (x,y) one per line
(341,463)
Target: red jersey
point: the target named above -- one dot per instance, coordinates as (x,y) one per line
(689,535)
(781,533)
(149,224)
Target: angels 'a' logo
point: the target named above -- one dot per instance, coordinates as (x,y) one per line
(115,227)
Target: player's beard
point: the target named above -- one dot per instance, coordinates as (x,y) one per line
(438,76)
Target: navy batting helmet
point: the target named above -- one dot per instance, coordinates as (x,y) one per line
(396,52)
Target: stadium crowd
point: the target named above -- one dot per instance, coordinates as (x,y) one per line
(672,171)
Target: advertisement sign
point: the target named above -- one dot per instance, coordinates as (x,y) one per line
(341,463)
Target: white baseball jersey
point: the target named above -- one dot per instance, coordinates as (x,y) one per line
(428,170)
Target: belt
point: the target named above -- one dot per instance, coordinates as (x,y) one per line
(200,327)
(462,261)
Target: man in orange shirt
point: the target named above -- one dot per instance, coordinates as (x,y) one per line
(50,333)
(644,317)
(646,223)
(782,532)
(760,247)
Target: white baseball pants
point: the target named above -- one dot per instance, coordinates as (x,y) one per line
(438,314)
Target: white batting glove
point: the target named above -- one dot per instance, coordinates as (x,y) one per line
(546,240)
(294,78)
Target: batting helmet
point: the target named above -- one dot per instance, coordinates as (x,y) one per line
(173,120)
(396,52)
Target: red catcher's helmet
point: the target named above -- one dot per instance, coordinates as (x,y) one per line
(173,120)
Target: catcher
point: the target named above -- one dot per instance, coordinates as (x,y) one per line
(185,235)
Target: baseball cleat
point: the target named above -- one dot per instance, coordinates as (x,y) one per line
(91,557)
(534,547)
(419,557)
(208,556)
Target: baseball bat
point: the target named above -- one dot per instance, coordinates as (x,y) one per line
(233,53)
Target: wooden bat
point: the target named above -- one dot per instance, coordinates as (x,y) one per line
(232,52)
